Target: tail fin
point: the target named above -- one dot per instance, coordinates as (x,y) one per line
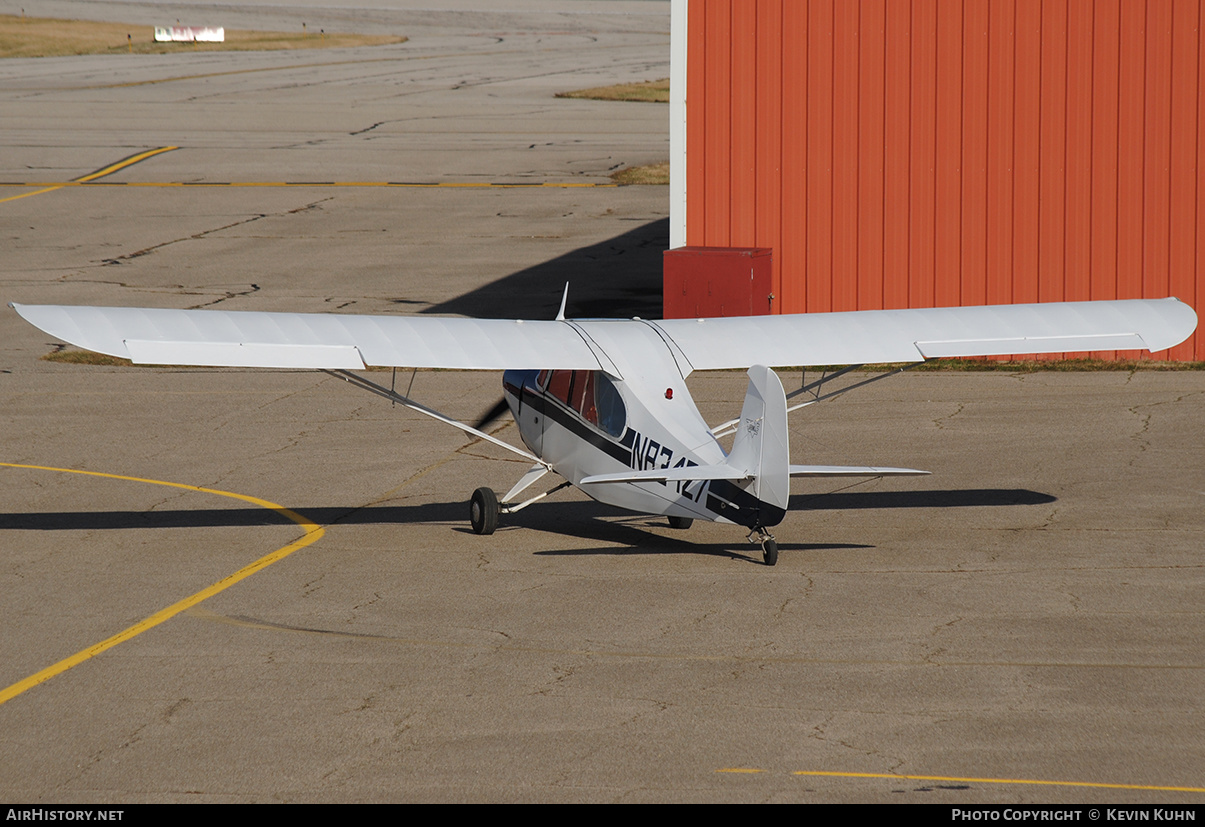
(761,448)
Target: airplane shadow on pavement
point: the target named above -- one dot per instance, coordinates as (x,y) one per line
(617,278)
(577,518)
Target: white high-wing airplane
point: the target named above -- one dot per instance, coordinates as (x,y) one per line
(604,403)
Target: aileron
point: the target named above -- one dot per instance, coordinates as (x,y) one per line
(244,354)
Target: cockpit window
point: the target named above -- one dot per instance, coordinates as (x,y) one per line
(612,415)
(583,396)
(560,384)
(591,394)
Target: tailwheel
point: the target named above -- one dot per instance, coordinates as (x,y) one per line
(769,546)
(680,522)
(483,511)
(769,551)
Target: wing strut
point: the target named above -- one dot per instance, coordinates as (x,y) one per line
(725,428)
(394,396)
(820,382)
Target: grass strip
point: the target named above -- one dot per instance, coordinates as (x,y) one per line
(649,91)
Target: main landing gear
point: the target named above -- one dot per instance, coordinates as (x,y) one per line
(769,546)
(485,507)
(484,510)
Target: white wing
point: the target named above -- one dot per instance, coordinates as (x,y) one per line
(867,336)
(304,340)
(312,340)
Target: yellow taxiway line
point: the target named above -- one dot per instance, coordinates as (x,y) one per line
(959,780)
(93,180)
(90,177)
(313,532)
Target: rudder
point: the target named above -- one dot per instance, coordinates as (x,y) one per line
(762,445)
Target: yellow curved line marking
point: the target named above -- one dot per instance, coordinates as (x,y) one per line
(1097,785)
(122,164)
(100,173)
(313,532)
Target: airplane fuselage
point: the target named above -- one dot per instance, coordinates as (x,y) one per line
(584,423)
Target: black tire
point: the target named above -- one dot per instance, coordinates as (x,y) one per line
(769,550)
(483,511)
(680,522)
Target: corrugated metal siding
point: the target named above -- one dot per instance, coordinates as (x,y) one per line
(915,153)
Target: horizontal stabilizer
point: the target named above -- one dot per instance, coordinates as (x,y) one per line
(693,472)
(853,471)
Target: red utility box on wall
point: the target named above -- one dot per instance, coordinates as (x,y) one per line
(708,282)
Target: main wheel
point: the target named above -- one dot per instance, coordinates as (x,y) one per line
(769,550)
(483,511)
(680,522)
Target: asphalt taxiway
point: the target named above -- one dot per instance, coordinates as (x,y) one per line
(1030,613)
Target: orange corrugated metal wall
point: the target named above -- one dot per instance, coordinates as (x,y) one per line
(915,153)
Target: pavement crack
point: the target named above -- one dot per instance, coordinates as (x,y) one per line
(313,205)
(204,233)
(1145,414)
(229,294)
(375,597)
(818,732)
(174,708)
(312,586)
(195,236)
(560,675)
(809,584)
(1144,425)
(942,419)
(940,627)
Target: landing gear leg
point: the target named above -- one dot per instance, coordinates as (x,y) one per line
(769,546)
(483,511)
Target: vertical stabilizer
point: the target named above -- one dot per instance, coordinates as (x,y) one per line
(761,447)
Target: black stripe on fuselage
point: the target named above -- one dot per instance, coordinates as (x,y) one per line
(734,503)
(570,421)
